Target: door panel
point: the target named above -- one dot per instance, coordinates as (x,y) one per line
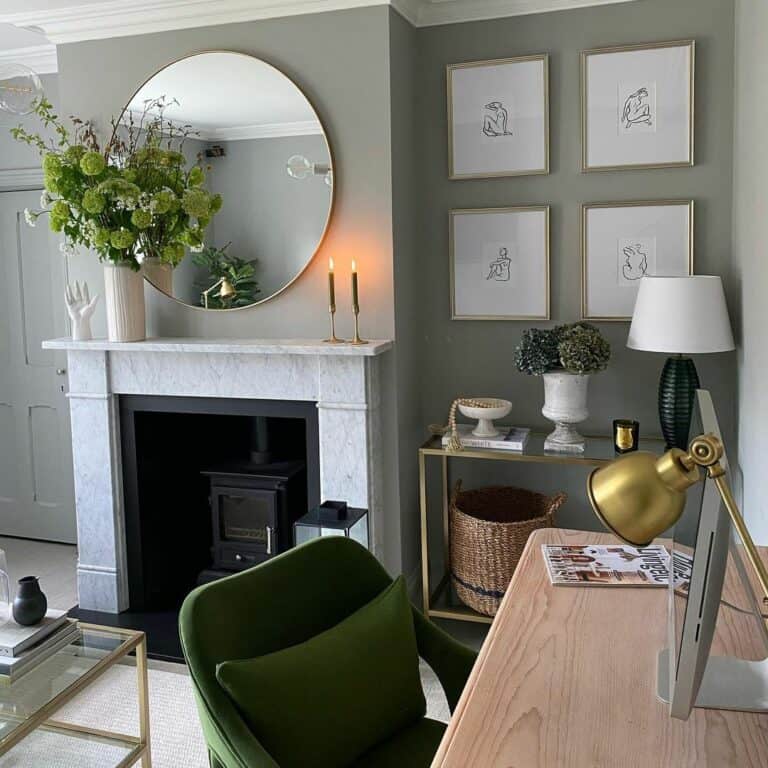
(8,485)
(36,488)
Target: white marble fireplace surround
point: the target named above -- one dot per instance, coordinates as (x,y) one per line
(344,381)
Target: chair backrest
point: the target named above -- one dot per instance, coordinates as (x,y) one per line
(285,601)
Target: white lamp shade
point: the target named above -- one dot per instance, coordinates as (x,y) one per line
(681,315)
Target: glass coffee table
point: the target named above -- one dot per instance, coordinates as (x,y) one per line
(30,733)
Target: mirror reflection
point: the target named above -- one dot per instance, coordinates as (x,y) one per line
(265,153)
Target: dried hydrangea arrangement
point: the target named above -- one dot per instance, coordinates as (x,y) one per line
(135,196)
(575,348)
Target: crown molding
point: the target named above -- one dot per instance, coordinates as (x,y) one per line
(264,131)
(39,58)
(119,18)
(241,132)
(435,12)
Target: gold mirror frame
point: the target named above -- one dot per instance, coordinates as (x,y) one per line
(331,158)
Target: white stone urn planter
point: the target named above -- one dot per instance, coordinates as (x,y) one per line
(159,273)
(124,300)
(565,403)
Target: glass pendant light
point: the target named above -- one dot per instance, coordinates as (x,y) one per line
(20,89)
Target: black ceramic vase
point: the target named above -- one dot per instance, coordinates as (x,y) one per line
(30,604)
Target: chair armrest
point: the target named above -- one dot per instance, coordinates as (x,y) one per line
(228,735)
(451,661)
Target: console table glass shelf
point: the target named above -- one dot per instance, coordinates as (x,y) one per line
(29,729)
(441,601)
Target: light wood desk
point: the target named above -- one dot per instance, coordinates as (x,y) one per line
(567,677)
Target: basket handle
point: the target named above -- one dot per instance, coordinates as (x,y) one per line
(555,503)
(455,493)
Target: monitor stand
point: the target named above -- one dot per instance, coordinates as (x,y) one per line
(728,683)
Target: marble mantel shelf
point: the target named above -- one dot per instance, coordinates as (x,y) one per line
(226,346)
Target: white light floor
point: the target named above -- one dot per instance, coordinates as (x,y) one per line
(54,564)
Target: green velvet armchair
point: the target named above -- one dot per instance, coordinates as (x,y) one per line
(286,601)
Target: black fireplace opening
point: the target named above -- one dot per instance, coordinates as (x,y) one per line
(211,486)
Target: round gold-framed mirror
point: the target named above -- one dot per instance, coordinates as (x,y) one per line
(266,163)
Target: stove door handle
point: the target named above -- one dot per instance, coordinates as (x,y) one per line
(270,534)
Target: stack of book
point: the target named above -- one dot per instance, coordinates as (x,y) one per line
(23,648)
(508,439)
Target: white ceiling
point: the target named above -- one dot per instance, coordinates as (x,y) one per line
(64,21)
(227,96)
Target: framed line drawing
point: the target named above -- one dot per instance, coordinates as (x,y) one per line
(498,117)
(623,242)
(637,106)
(499,262)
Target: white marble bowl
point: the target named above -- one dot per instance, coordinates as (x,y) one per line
(496,409)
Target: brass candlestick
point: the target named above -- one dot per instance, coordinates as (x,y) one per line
(333,338)
(356,306)
(356,338)
(332,305)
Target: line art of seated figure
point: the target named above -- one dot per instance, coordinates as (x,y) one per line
(635,262)
(499,268)
(495,120)
(637,111)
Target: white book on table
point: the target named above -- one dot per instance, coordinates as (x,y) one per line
(15,638)
(13,667)
(508,439)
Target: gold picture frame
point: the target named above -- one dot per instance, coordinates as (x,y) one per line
(585,55)
(586,208)
(453,214)
(450,69)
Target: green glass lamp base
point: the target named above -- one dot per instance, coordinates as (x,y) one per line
(677,392)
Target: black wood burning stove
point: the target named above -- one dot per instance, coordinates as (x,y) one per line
(253,508)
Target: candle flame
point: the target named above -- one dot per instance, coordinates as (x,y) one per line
(354,265)
(330,264)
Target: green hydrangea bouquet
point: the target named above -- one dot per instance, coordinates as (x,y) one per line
(133,198)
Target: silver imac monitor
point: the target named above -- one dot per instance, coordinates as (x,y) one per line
(687,675)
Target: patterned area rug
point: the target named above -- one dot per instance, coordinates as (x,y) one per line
(176,737)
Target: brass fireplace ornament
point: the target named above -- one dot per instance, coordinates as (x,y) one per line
(640,495)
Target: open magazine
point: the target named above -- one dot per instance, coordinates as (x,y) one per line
(607,565)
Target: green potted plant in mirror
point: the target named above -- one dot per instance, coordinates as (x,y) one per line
(133,199)
(565,357)
(236,276)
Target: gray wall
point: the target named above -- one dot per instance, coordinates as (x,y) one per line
(750,214)
(348,83)
(476,358)
(406,216)
(266,214)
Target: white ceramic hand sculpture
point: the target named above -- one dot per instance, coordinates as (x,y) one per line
(80,307)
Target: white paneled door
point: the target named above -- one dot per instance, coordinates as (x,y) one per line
(36,488)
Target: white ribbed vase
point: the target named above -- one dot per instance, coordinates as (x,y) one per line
(124,299)
(565,403)
(159,273)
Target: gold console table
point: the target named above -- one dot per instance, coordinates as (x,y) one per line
(441,602)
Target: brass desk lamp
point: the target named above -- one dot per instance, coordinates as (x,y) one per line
(639,496)
(226,291)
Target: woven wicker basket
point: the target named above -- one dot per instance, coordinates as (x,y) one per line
(489,529)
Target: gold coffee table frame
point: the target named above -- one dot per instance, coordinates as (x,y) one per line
(132,640)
